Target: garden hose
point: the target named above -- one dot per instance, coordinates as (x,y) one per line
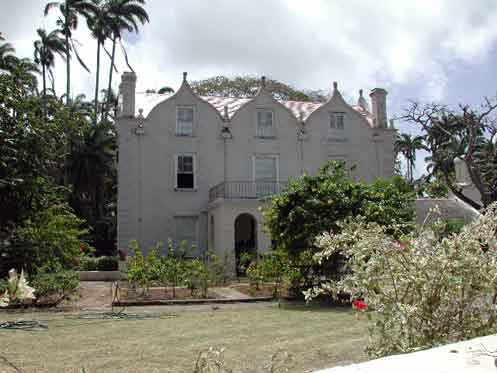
(23,325)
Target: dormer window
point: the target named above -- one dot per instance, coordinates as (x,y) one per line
(184,121)
(265,128)
(337,121)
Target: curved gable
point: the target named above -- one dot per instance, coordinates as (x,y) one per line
(336,99)
(263,94)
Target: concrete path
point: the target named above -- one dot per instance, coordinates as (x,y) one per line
(93,295)
(229,293)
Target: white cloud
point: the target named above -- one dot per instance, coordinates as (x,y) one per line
(309,44)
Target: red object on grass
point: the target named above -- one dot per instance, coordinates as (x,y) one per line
(359,305)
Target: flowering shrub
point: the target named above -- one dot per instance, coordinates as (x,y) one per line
(359,305)
(421,290)
(17,290)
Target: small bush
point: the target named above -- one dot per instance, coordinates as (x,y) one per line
(51,238)
(141,270)
(196,276)
(425,289)
(54,287)
(103,263)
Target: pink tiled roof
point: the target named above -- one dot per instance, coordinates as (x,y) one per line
(301,110)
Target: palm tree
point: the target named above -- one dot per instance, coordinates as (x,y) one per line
(7,57)
(80,105)
(407,145)
(45,50)
(25,71)
(70,10)
(124,16)
(90,164)
(98,24)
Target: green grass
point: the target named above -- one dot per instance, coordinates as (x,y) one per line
(314,337)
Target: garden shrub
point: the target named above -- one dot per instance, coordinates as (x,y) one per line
(220,268)
(276,268)
(141,269)
(315,204)
(103,263)
(51,238)
(171,267)
(423,289)
(54,286)
(196,276)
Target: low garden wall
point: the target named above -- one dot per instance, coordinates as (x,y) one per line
(475,355)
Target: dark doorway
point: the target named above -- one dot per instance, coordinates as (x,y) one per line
(245,238)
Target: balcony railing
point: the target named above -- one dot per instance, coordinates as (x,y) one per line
(245,189)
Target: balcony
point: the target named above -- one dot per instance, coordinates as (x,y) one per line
(245,189)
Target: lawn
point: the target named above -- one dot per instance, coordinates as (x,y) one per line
(251,333)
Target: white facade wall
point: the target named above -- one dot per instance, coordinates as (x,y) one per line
(148,200)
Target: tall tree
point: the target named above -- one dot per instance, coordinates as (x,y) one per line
(45,50)
(247,86)
(90,165)
(124,15)
(8,58)
(98,23)
(70,10)
(408,145)
(469,133)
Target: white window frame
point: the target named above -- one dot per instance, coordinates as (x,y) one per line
(176,163)
(334,115)
(276,157)
(177,132)
(196,217)
(273,127)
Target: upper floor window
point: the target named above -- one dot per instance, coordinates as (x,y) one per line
(265,126)
(184,121)
(185,171)
(337,121)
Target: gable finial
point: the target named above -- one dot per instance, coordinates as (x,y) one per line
(335,86)
(263,81)
(185,74)
(360,93)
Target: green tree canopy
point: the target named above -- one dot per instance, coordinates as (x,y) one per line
(315,204)
(32,149)
(247,86)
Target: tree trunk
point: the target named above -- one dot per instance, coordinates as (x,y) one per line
(44,91)
(68,56)
(110,76)
(97,81)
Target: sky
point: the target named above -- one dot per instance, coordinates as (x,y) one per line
(431,51)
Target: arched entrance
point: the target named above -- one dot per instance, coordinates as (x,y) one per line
(245,237)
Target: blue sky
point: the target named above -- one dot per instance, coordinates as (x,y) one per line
(436,50)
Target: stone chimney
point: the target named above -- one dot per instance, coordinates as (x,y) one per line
(379,107)
(127,90)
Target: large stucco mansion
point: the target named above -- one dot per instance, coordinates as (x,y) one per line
(197,168)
